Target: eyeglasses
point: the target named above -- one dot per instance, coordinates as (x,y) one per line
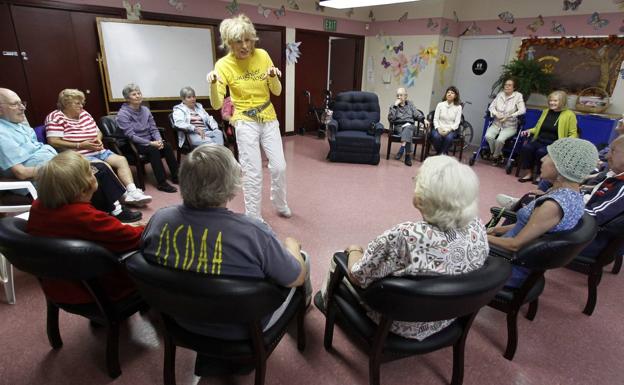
(399,95)
(16,104)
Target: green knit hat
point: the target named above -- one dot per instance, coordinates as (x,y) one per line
(574,158)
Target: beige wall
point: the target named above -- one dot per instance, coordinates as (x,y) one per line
(420,93)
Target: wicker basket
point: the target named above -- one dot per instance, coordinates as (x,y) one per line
(587,102)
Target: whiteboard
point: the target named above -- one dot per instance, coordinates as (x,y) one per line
(159,58)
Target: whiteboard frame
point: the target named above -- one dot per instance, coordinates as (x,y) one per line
(106,78)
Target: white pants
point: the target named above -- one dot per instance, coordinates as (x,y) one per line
(496,137)
(249,137)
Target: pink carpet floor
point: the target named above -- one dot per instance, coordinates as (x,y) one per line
(334,205)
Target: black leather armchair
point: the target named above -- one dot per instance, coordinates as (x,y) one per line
(549,251)
(193,297)
(114,139)
(355,131)
(74,260)
(425,298)
(611,235)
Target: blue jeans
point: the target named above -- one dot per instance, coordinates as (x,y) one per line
(442,143)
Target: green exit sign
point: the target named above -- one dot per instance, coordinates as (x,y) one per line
(330,25)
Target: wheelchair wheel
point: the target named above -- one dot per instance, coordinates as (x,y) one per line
(467,132)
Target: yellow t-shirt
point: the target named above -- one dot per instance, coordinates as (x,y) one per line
(249,85)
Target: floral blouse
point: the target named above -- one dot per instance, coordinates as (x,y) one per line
(418,248)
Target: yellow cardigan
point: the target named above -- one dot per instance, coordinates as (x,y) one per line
(566,125)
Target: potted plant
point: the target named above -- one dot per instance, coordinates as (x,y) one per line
(529,75)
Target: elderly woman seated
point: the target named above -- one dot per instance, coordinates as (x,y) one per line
(242,246)
(137,123)
(566,165)
(63,210)
(191,118)
(449,240)
(72,128)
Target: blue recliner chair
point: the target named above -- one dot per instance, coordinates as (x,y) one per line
(355,131)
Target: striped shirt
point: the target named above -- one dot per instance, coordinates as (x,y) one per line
(72,130)
(197,121)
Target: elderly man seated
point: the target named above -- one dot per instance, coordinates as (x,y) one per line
(21,154)
(402,116)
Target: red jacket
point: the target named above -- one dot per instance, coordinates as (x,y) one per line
(83,221)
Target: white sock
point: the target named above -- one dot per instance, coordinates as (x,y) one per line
(131,187)
(117,210)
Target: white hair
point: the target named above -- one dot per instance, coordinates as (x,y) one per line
(446,192)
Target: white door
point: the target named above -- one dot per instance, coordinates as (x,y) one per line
(479,64)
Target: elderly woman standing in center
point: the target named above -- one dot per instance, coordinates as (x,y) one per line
(251,77)
(449,240)
(190,117)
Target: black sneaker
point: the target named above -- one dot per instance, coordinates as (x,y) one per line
(128,216)
(166,187)
(408,160)
(175,180)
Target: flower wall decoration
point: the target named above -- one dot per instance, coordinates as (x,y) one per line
(405,68)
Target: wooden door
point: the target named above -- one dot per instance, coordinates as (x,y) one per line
(273,41)
(87,47)
(310,75)
(345,66)
(11,68)
(51,60)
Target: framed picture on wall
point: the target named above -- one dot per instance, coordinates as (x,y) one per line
(448,46)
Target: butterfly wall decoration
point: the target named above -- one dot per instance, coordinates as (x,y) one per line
(280,12)
(133,12)
(266,12)
(319,7)
(557,28)
(432,25)
(371,16)
(473,29)
(293,5)
(403,17)
(620,3)
(595,21)
(177,4)
(385,63)
(571,5)
(398,48)
(445,30)
(507,17)
(232,8)
(510,31)
(534,26)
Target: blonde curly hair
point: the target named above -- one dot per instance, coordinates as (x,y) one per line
(236,28)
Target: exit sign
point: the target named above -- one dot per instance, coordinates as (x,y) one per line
(330,25)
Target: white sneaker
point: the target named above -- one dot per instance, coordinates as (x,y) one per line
(285,212)
(136,198)
(506,201)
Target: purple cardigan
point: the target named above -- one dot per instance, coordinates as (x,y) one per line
(139,125)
